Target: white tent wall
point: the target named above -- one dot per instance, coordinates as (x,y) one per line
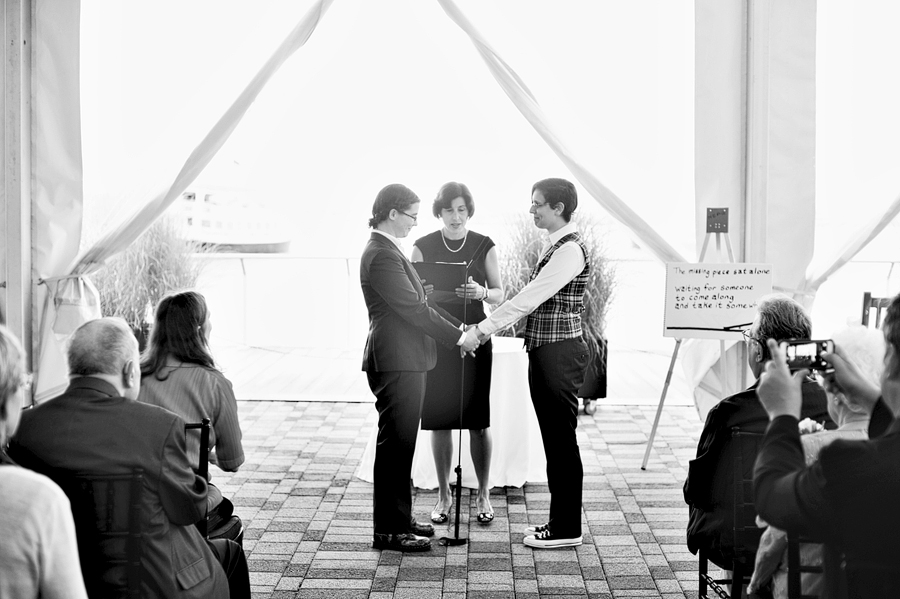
(755,136)
(755,151)
(15,211)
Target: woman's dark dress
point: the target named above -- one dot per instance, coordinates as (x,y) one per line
(440,410)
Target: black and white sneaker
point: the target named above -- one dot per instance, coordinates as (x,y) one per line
(533,530)
(547,540)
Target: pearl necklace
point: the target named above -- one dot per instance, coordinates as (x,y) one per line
(444,239)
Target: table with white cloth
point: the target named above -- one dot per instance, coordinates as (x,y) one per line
(518,454)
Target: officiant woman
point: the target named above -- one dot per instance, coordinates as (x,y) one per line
(454,242)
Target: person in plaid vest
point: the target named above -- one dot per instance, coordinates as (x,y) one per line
(553,301)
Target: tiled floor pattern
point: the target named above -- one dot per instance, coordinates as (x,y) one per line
(308,520)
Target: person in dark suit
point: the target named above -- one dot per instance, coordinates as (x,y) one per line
(400,349)
(848,498)
(709,488)
(98,426)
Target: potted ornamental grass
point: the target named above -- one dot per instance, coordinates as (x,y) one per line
(132,282)
(518,254)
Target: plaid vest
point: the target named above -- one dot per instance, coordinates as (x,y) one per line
(559,317)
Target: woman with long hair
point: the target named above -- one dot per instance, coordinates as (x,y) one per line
(179,374)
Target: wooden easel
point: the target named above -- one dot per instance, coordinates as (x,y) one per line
(716,223)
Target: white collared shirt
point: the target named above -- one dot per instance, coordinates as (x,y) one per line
(565,264)
(393,239)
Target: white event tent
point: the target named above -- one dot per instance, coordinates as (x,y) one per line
(754,129)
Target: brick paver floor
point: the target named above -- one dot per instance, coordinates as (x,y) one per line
(308,519)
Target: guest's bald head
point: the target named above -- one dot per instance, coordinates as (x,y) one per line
(101,346)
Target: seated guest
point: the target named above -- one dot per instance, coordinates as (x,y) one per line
(178,373)
(848,498)
(709,488)
(97,426)
(865,349)
(39,554)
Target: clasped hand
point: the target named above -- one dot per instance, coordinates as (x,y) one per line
(474,338)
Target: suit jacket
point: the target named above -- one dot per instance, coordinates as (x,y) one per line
(90,429)
(402,326)
(709,488)
(848,498)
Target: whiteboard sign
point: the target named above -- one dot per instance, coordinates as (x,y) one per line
(713,301)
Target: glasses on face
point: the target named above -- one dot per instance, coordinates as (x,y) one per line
(537,205)
(415,218)
(748,338)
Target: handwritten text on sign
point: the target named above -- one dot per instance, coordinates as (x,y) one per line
(713,301)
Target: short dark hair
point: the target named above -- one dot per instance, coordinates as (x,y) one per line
(178,330)
(449,192)
(392,197)
(781,317)
(891,328)
(557,191)
(101,346)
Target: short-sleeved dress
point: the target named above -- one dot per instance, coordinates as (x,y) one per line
(441,409)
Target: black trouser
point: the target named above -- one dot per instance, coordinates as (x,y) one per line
(555,372)
(398,399)
(231,556)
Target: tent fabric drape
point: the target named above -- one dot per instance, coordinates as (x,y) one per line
(754,147)
(75,296)
(57,188)
(820,271)
(525,102)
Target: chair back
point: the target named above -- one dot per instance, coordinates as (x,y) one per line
(879,304)
(796,568)
(203,465)
(744,446)
(108,525)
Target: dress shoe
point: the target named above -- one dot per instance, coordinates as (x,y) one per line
(423,529)
(404,541)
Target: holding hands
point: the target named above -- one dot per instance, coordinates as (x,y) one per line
(474,338)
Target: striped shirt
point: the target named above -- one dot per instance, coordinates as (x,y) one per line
(195,392)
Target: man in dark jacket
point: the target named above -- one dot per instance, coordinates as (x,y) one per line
(98,426)
(848,498)
(709,488)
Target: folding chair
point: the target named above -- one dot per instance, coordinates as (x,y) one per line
(880,305)
(232,528)
(796,568)
(107,513)
(746,533)
(203,465)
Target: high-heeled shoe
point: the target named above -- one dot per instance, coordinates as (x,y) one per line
(439,516)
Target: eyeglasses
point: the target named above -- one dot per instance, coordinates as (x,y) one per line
(537,205)
(415,218)
(748,338)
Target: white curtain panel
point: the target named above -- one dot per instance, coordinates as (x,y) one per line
(526,103)
(73,294)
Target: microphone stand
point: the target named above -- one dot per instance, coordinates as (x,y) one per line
(455,540)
